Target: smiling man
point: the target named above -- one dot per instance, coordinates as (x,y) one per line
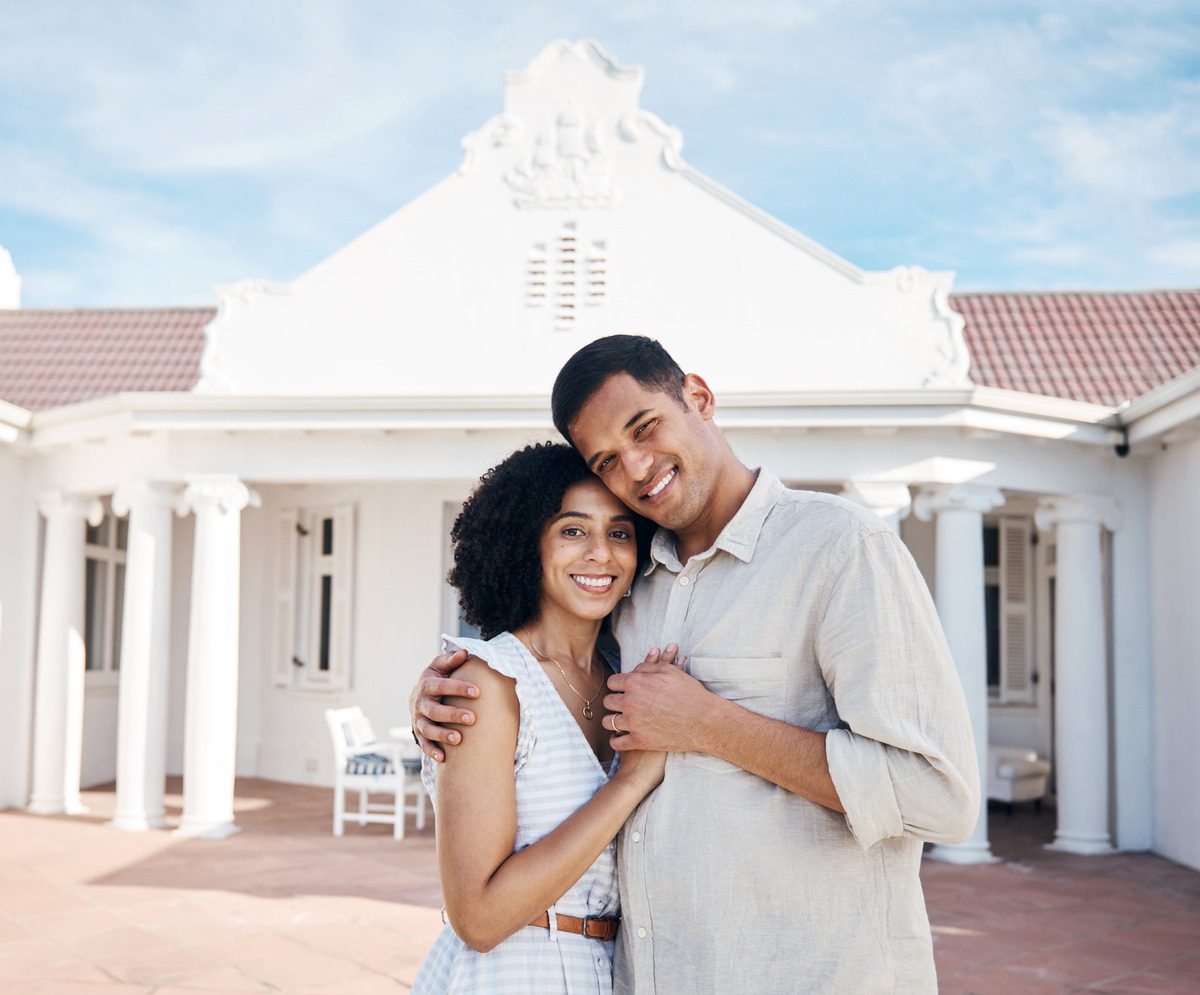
(818,737)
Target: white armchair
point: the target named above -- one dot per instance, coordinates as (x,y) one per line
(370,766)
(1016,775)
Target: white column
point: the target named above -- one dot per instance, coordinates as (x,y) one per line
(145,654)
(58,703)
(1080,671)
(960,603)
(210,732)
(889,499)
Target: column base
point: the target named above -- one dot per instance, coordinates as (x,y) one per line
(46,806)
(208,830)
(1085,846)
(137,823)
(963,853)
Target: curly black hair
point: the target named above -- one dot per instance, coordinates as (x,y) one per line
(497,537)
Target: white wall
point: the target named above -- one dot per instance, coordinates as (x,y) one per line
(19,542)
(1175,581)
(397,621)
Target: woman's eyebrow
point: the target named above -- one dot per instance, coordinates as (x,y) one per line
(572,514)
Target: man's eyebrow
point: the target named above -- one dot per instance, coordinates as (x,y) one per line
(624,428)
(636,417)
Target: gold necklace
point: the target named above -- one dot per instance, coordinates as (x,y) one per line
(588,713)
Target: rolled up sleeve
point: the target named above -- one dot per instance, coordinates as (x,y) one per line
(903,758)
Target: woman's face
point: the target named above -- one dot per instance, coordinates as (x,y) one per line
(589,552)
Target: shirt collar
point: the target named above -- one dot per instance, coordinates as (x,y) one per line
(739,537)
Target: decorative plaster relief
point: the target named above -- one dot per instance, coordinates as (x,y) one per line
(499,132)
(951,361)
(584,50)
(234,300)
(935,498)
(637,127)
(568,166)
(1092,508)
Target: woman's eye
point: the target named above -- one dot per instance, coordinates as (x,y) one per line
(619,534)
(572,531)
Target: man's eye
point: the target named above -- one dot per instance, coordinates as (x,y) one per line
(645,427)
(604,464)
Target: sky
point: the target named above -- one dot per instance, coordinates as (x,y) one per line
(150,151)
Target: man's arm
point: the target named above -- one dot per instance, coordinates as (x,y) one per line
(905,763)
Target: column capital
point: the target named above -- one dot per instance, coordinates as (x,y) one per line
(223,491)
(884,497)
(138,494)
(934,498)
(60,504)
(1084,508)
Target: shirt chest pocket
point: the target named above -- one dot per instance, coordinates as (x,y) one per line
(758,684)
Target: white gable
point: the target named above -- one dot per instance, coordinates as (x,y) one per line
(573,216)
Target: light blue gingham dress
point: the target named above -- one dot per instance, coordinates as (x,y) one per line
(556,772)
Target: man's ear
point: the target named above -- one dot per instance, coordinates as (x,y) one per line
(699,396)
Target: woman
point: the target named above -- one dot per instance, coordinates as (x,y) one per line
(526,809)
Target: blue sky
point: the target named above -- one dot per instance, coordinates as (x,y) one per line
(149,150)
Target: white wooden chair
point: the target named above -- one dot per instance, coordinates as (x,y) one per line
(370,766)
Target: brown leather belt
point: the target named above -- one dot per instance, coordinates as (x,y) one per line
(593,927)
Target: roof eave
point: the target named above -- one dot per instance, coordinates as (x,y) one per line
(981,409)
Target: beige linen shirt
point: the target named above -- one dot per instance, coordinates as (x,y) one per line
(809,610)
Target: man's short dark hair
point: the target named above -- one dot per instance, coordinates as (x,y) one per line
(642,358)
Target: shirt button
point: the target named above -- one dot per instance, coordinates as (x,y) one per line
(637,837)
(684,581)
(641,932)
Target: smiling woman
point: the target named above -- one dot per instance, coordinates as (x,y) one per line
(528,805)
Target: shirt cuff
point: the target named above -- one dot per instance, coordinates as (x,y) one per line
(859,769)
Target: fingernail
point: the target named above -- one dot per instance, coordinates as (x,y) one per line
(472,692)
(454,737)
(672,648)
(654,652)
(465,717)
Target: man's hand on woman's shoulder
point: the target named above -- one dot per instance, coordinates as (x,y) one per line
(429,715)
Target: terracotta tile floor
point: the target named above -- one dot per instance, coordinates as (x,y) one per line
(284,907)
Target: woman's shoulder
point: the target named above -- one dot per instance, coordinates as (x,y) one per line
(501,654)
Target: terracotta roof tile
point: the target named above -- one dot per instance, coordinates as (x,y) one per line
(1099,347)
(54,357)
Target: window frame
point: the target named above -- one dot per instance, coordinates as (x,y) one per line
(112,556)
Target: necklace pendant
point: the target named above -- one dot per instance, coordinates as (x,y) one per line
(587,711)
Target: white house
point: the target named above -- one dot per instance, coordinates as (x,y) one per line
(215,525)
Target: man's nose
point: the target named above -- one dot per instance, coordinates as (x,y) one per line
(638,462)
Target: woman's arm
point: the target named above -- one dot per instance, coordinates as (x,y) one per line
(491,892)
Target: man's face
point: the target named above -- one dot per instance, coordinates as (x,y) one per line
(657,454)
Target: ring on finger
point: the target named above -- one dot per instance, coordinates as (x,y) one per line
(616,728)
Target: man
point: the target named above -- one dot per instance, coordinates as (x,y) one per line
(818,736)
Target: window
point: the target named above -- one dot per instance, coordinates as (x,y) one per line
(1008,591)
(313,597)
(104,593)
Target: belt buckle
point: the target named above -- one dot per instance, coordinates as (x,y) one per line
(587,924)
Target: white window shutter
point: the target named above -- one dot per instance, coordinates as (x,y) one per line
(342,620)
(1016,596)
(285,596)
